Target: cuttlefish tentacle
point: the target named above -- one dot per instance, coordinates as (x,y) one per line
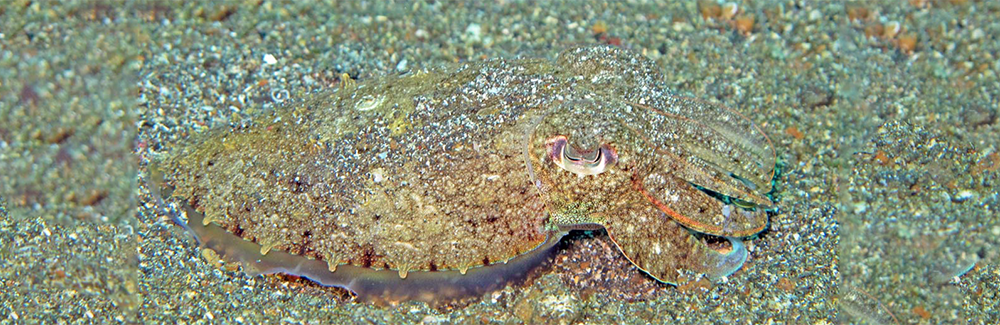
(663,248)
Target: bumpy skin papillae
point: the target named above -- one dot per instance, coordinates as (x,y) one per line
(420,172)
(430,170)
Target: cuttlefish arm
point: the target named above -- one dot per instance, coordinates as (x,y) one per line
(663,248)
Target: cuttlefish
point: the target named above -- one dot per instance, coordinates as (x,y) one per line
(446,183)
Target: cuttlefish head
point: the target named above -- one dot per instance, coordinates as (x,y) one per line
(574,152)
(606,164)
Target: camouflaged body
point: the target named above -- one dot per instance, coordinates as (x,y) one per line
(451,169)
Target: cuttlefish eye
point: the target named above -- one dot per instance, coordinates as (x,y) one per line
(580,161)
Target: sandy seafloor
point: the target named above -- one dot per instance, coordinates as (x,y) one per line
(877,223)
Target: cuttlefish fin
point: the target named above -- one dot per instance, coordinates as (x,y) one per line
(664,249)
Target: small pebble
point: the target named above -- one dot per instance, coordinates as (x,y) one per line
(269,59)
(978,33)
(815,15)
(964,195)
(474,33)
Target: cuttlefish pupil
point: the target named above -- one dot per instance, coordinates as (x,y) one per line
(580,162)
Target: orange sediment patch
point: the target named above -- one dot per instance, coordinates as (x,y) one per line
(882,157)
(923,313)
(744,24)
(795,133)
(989,163)
(709,9)
(857,12)
(702,285)
(786,284)
(907,43)
(599,28)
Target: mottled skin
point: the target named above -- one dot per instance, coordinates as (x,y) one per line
(451,169)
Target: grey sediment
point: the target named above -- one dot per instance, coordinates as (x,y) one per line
(91,90)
